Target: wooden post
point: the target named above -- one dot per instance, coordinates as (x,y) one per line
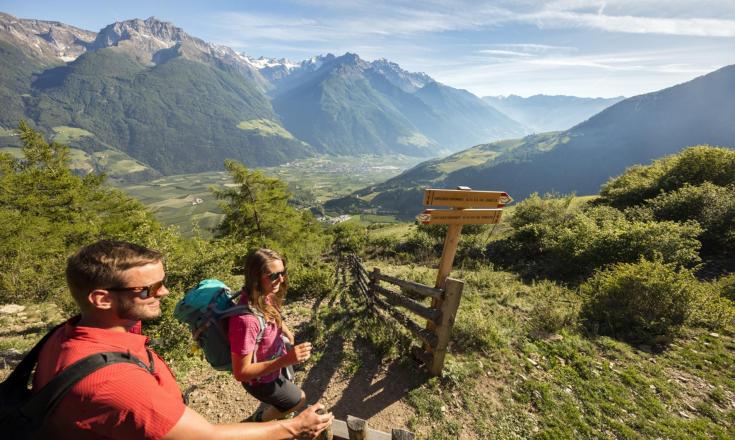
(327,433)
(356,428)
(401,434)
(445,267)
(452,296)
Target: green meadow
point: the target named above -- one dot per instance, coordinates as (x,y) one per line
(185,200)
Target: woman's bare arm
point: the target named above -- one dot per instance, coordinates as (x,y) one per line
(244,369)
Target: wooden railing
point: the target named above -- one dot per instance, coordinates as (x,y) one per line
(384,300)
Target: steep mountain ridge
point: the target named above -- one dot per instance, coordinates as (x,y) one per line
(343,90)
(49,42)
(148,89)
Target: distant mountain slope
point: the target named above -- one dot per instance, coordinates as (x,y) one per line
(634,131)
(345,105)
(465,118)
(550,113)
(337,110)
(146,88)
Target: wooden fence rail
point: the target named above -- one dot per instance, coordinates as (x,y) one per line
(382,299)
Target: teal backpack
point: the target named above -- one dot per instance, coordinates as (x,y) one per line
(205,310)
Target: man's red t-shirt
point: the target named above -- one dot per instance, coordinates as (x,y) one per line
(119,401)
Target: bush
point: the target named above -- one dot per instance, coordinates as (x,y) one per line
(711,309)
(593,238)
(550,209)
(644,302)
(420,246)
(693,166)
(727,286)
(311,282)
(712,206)
(349,237)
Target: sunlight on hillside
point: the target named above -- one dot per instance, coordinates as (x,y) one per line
(265,127)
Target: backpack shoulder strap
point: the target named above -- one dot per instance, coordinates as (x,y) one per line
(20,376)
(261,329)
(46,400)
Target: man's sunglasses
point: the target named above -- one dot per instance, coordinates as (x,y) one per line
(141,292)
(274,276)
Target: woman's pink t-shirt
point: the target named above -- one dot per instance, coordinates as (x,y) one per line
(243,331)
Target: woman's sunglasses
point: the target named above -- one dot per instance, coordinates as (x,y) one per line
(141,292)
(275,275)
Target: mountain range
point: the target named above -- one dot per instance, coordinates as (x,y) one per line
(543,113)
(147,91)
(578,160)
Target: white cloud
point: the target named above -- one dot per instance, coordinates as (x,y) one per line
(699,27)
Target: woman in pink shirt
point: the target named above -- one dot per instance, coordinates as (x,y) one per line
(260,366)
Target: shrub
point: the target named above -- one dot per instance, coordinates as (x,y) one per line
(314,281)
(727,286)
(712,206)
(711,309)
(349,237)
(593,238)
(644,302)
(693,166)
(550,209)
(421,246)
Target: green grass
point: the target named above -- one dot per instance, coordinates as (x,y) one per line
(16,152)
(312,182)
(7,132)
(502,380)
(417,139)
(65,134)
(265,127)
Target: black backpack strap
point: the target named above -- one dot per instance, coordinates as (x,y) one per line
(46,400)
(20,376)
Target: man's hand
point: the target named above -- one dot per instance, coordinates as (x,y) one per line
(298,354)
(310,423)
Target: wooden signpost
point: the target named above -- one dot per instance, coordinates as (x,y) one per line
(468,208)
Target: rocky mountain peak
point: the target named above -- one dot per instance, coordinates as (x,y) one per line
(406,81)
(148,33)
(49,40)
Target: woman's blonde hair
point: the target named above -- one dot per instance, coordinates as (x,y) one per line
(256,266)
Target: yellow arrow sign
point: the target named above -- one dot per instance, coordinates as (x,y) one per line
(466,199)
(460,216)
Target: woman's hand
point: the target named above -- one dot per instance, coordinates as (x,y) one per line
(298,353)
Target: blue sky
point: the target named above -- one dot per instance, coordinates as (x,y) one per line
(499,47)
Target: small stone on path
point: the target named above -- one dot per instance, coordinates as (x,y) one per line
(10,309)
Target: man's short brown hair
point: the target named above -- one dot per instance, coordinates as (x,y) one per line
(100,265)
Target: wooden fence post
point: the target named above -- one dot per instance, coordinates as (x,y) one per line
(445,266)
(356,428)
(401,434)
(452,296)
(327,433)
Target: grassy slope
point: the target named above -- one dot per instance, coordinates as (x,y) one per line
(503,381)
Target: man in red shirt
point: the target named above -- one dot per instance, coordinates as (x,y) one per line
(116,285)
